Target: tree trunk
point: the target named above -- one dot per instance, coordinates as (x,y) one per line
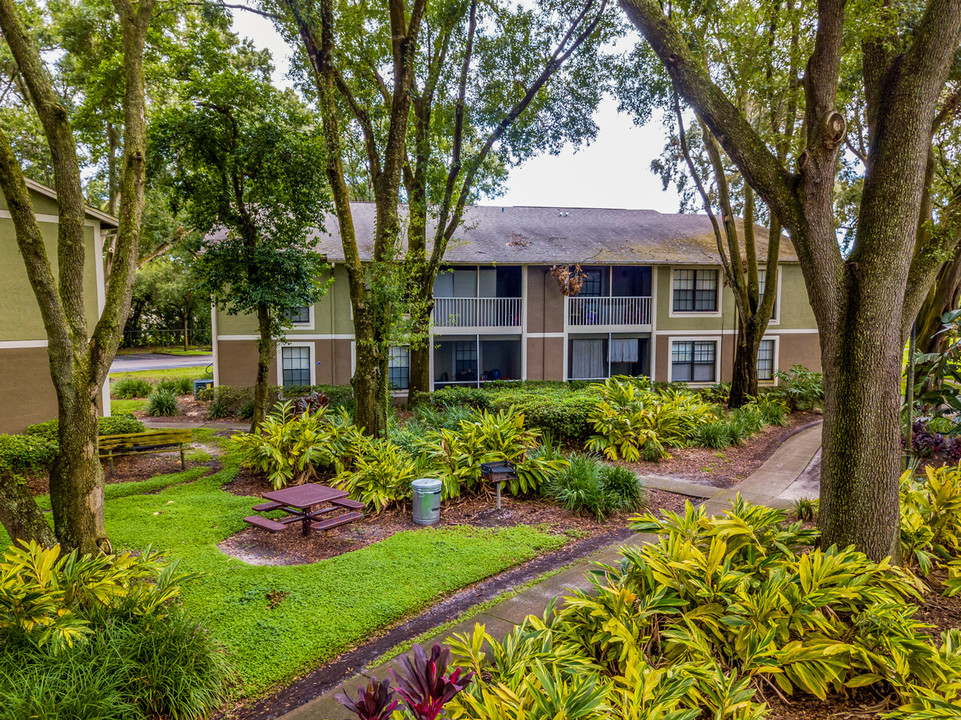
(744,379)
(370,405)
(943,297)
(419,356)
(20,515)
(266,348)
(861,442)
(76,478)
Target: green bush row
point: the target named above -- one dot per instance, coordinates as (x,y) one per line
(36,449)
(132,387)
(588,486)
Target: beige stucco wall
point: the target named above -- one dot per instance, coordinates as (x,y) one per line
(26,390)
(545,358)
(332,314)
(545,303)
(19,314)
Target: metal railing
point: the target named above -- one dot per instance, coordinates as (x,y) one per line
(477,312)
(584,311)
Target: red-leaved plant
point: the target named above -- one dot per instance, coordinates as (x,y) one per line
(373,702)
(425,685)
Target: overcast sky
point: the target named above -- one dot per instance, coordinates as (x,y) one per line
(613,172)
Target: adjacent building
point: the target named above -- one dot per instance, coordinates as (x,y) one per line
(652,302)
(27,395)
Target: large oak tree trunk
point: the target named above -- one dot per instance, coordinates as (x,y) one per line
(76,478)
(744,378)
(861,439)
(370,406)
(419,356)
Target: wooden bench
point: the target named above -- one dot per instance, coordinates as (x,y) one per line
(154,441)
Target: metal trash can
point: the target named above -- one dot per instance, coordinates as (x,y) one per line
(426,500)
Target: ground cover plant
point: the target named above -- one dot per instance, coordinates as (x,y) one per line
(101,637)
(707,620)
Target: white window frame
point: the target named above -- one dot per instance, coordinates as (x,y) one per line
(776,317)
(695,313)
(716,339)
(309,325)
(775,366)
(312,360)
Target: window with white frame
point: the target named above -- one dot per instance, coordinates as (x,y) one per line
(398,368)
(299,315)
(761,277)
(765,360)
(295,365)
(695,290)
(693,360)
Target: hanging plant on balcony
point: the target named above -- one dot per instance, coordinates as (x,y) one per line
(570,278)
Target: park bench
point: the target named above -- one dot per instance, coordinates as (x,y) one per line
(154,441)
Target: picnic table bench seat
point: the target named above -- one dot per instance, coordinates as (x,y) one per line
(267,506)
(337,521)
(265,524)
(153,441)
(348,503)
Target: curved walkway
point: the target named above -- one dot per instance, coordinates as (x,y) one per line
(782,478)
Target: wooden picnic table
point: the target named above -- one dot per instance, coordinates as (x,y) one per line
(306,503)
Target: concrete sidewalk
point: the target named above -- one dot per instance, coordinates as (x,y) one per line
(775,484)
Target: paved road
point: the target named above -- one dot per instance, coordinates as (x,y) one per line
(158,361)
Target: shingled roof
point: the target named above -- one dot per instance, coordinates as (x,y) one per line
(556,235)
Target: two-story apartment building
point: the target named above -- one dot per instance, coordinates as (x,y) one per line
(27,394)
(651,302)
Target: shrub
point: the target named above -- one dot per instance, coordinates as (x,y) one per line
(177,385)
(130,387)
(930,517)
(717,394)
(456,455)
(716,434)
(773,410)
(690,625)
(100,637)
(622,483)
(381,476)
(801,388)
(119,425)
(290,448)
(24,454)
(749,417)
(632,419)
(580,489)
(163,403)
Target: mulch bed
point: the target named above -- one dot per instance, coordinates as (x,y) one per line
(291,547)
(725,468)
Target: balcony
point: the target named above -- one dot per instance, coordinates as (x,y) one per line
(600,313)
(470,312)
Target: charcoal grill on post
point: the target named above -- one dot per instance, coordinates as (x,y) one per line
(498,473)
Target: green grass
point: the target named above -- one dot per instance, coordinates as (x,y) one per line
(194,373)
(122,407)
(332,605)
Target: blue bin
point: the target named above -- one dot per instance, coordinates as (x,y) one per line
(200,385)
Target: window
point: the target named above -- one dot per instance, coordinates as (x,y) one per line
(693,360)
(588,359)
(295,362)
(465,360)
(398,368)
(761,277)
(593,285)
(299,315)
(765,360)
(695,291)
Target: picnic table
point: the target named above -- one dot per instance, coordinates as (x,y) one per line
(306,504)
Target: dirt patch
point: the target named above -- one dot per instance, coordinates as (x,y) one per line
(190,411)
(725,468)
(128,468)
(291,547)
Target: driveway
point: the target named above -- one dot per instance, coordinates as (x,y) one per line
(158,361)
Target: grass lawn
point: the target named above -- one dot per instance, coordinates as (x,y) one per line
(122,407)
(194,373)
(331,605)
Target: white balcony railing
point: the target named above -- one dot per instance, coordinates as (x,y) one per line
(477,312)
(585,311)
